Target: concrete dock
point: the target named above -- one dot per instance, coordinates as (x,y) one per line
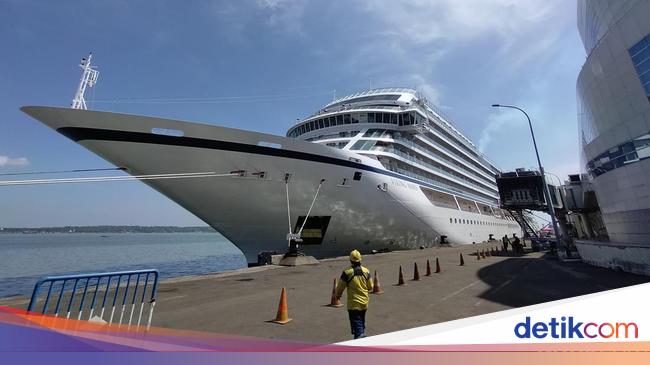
(242,301)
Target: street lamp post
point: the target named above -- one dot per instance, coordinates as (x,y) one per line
(547,192)
(559,181)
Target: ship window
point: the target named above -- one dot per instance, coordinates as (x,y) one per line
(400,119)
(168,132)
(339,120)
(386,118)
(450,220)
(393,118)
(455,220)
(346,118)
(378,117)
(371,117)
(355,118)
(326,122)
(357,176)
(320,123)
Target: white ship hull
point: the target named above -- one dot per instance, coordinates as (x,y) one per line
(251,211)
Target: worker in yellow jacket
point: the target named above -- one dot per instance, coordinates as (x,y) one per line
(357,280)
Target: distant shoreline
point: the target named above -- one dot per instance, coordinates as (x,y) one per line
(107,229)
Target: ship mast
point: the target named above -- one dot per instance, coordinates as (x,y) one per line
(88,78)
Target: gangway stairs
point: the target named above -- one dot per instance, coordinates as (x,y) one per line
(524,221)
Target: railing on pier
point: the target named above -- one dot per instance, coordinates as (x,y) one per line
(75,295)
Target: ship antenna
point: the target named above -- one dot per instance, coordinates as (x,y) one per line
(88,78)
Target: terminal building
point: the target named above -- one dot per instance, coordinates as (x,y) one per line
(613,93)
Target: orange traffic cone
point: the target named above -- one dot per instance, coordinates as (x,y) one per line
(283,312)
(428,269)
(376,289)
(438,270)
(416,272)
(462,262)
(400,281)
(478,255)
(335,302)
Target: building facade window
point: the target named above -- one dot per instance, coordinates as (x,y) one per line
(640,54)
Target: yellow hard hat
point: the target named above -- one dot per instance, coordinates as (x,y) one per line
(355,256)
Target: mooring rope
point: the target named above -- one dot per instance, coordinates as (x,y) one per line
(311,206)
(62,171)
(115,178)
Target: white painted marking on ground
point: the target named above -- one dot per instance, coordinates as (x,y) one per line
(502,285)
(460,290)
(174,297)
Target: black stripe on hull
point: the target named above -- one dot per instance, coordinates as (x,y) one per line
(80,134)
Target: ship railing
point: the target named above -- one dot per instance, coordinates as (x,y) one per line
(432,167)
(97,296)
(374,92)
(421,150)
(443,187)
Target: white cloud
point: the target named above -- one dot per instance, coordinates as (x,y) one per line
(284,15)
(9,161)
(497,122)
(419,35)
(422,22)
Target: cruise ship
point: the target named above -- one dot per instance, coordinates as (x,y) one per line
(381,169)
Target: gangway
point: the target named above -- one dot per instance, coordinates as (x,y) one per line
(523,219)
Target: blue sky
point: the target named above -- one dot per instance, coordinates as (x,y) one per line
(284,58)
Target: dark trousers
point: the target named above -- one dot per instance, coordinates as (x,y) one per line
(357,322)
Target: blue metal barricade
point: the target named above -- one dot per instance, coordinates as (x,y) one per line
(131,287)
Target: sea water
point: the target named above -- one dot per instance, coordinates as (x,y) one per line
(24,258)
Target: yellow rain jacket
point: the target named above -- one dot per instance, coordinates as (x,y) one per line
(359,284)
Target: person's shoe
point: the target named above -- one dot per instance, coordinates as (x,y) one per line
(362,335)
